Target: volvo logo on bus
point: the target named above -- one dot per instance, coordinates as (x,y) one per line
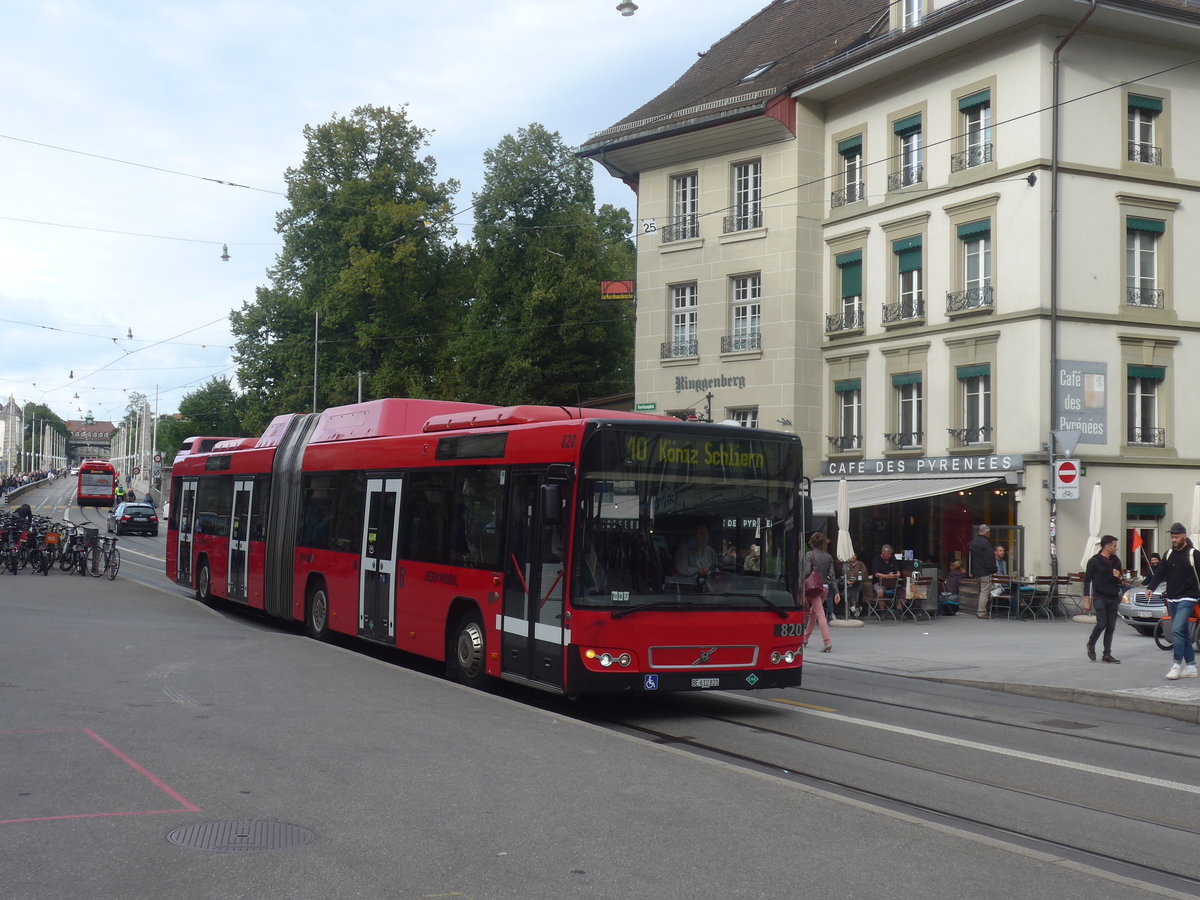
(704,657)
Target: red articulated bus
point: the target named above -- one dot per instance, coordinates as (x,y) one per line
(575,550)
(97,481)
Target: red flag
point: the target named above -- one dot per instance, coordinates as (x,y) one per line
(1137,540)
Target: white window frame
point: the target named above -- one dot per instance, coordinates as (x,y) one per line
(977,408)
(685,314)
(1142,411)
(1141,262)
(978,127)
(685,193)
(910,415)
(1141,134)
(910,294)
(852,173)
(746,416)
(850,419)
(747,194)
(911,171)
(977,263)
(746,306)
(912,12)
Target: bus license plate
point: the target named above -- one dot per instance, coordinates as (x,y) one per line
(706,682)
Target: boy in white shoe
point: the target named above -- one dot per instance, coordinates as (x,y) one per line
(1181,577)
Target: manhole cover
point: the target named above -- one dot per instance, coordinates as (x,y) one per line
(229,836)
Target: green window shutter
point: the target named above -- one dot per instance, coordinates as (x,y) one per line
(1154,373)
(850,146)
(848,259)
(1152,225)
(979,98)
(1150,104)
(910,260)
(907,125)
(851,279)
(979,229)
(1146,510)
(962,373)
(906,378)
(850,384)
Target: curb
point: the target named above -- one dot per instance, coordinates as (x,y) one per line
(1184,711)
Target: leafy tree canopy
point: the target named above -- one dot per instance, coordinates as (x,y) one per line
(212,410)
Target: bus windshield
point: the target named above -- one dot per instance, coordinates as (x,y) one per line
(687,518)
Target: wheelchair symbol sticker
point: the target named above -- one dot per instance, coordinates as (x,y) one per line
(650,683)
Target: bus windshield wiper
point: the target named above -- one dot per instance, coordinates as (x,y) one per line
(767,601)
(629,610)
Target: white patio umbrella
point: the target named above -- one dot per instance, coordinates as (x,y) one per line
(1093,541)
(845,546)
(1194,521)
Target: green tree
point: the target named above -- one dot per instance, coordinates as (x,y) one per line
(35,440)
(536,330)
(214,410)
(366,244)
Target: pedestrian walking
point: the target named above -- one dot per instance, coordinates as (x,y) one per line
(1181,578)
(983,566)
(1102,586)
(819,559)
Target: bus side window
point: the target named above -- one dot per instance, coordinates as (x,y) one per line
(351,503)
(262,503)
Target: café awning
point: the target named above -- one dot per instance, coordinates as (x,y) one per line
(878,491)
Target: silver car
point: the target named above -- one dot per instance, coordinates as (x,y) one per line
(1139,612)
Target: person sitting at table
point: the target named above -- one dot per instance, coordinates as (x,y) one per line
(885,572)
(1001,560)
(856,574)
(948,602)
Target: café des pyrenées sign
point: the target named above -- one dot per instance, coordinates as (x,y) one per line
(925,465)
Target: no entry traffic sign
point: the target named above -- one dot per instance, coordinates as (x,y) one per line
(1066,479)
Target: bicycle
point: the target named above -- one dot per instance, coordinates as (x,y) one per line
(1162,633)
(111,557)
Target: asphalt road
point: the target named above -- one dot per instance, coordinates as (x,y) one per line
(139,727)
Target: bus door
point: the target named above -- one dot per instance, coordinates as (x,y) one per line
(239,538)
(377,573)
(187,521)
(533,633)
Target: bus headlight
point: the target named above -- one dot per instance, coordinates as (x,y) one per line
(607,659)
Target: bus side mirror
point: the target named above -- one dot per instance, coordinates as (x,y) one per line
(551,504)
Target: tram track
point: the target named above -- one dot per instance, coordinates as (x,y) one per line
(1110,862)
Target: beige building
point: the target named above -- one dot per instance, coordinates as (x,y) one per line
(926,236)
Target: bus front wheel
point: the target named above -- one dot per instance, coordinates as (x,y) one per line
(204,584)
(468,656)
(316,612)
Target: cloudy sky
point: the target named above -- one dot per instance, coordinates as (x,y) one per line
(120,118)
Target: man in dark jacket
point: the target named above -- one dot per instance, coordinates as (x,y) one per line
(1102,580)
(983,566)
(1181,576)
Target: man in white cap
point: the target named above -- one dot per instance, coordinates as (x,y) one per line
(1181,577)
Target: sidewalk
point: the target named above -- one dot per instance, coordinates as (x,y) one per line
(1034,658)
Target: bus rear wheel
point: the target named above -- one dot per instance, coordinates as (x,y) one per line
(316,612)
(468,654)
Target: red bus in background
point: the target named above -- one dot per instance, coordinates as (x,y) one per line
(97,480)
(553,546)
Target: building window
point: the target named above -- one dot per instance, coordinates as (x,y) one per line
(849,405)
(912,10)
(746,308)
(685,220)
(910,303)
(1143,115)
(976,119)
(747,197)
(908,153)
(850,314)
(1142,410)
(976,240)
(746,416)
(684,322)
(1142,519)
(909,412)
(975,385)
(851,191)
(1141,262)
